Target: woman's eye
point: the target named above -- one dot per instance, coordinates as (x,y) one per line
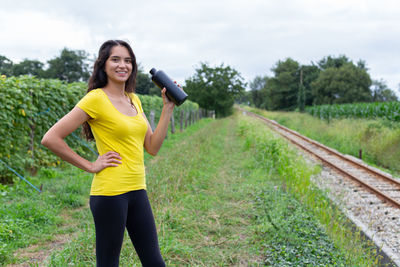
(114,59)
(128,60)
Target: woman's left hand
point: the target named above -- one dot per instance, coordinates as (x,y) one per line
(166,101)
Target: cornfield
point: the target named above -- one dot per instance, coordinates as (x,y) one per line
(384,110)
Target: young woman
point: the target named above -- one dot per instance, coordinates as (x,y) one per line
(112,115)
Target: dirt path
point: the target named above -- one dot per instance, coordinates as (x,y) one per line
(38,253)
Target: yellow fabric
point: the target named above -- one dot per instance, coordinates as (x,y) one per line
(114,131)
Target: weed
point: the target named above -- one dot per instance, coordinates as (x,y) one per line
(377,138)
(297,222)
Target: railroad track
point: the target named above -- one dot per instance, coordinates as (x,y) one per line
(381,184)
(370,198)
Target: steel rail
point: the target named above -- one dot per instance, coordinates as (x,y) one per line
(330,150)
(371,188)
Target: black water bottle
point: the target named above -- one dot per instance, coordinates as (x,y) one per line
(174,93)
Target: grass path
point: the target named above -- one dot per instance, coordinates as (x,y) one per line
(200,199)
(210,213)
(210,189)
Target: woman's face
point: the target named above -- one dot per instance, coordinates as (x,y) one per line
(119,64)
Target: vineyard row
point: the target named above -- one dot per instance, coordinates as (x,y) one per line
(30,106)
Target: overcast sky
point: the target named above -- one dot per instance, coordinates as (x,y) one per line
(173,35)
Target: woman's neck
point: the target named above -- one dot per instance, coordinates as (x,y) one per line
(115,89)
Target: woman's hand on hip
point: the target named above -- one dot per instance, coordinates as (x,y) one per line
(109,159)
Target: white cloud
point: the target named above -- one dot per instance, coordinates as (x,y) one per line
(34,35)
(176,35)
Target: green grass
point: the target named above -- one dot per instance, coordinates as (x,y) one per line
(224,193)
(300,224)
(378,139)
(28,217)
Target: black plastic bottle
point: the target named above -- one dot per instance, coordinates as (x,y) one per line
(174,93)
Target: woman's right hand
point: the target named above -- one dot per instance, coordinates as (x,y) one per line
(108,159)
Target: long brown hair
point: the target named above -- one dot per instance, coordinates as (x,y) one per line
(99,78)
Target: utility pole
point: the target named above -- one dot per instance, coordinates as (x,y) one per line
(301,97)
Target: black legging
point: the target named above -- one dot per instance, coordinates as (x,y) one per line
(112,214)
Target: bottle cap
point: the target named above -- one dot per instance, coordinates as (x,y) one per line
(153,71)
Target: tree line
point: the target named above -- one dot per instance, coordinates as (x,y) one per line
(70,66)
(213,88)
(332,80)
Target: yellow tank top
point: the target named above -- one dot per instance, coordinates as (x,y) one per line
(114,131)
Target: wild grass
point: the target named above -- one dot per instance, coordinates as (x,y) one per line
(378,139)
(299,219)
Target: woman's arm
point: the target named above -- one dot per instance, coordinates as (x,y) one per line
(153,141)
(54,140)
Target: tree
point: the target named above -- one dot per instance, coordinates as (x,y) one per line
(215,88)
(281,92)
(310,74)
(29,67)
(258,91)
(5,66)
(381,92)
(70,66)
(244,98)
(361,64)
(331,62)
(155,90)
(143,82)
(345,84)
(282,89)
